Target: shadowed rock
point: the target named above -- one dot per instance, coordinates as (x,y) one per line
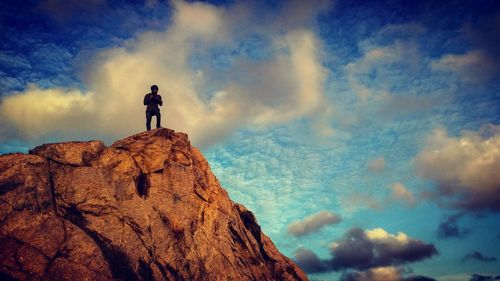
(146,208)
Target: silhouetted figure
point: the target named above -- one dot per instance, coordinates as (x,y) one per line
(152,100)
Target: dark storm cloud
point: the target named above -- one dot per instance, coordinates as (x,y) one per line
(477,277)
(475,255)
(450,229)
(362,250)
(309,261)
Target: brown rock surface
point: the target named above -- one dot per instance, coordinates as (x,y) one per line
(146,208)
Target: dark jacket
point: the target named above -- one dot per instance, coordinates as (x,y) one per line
(152,102)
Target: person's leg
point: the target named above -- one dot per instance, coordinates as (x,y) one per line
(148,120)
(158,120)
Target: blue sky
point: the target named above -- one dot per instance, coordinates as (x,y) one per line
(343,125)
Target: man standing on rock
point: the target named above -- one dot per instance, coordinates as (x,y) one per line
(152,100)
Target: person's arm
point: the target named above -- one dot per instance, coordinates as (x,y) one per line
(160,102)
(146,99)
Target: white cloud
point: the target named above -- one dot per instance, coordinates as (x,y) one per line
(473,66)
(384,62)
(401,193)
(198,100)
(353,202)
(465,168)
(382,236)
(356,201)
(313,223)
(36,110)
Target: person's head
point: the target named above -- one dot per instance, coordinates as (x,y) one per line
(154,89)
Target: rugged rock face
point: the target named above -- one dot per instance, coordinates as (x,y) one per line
(146,208)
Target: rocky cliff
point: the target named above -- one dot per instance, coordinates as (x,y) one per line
(146,208)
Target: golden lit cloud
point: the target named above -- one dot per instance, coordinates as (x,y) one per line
(465,168)
(287,85)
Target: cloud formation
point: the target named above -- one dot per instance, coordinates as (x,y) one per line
(473,66)
(475,255)
(465,168)
(63,107)
(482,62)
(401,193)
(366,249)
(313,223)
(383,61)
(372,248)
(450,229)
(211,78)
(388,273)
(398,194)
(384,78)
(355,200)
(309,261)
(479,277)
